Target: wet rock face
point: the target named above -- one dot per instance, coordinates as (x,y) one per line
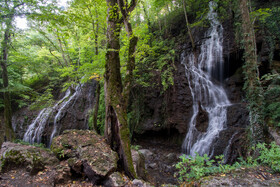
(21,120)
(171,109)
(86,153)
(76,116)
(32,158)
(73,116)
(179,99)
(231,138)
(202,120)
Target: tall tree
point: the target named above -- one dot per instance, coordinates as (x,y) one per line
(252,81)
(10,10)
(116,125)
(188,25)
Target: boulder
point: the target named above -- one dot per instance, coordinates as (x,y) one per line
(146,153)
(170,157)
(34,159)
(63,173)
(140,183)
(139,164)
(202,119)
(73,115)
(115,179)
(86,153)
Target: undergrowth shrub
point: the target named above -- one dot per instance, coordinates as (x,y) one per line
(269,156)
(191,168)
(194,168)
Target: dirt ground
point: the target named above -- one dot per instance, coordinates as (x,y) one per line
(45,178)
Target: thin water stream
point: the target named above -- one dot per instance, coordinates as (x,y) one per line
(36,128)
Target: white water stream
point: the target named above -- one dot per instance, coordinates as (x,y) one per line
(37,127)
(62,111)
(210,96)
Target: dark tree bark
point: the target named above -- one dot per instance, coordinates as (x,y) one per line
(95,27)
(116,126)
(188,25)
(7,129)
(96,108)
(252,83)
(131,49)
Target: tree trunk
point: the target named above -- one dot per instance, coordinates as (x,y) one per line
(96,32)
(8,130)
(131,49)
(252,83)
(188,25)
(117,132)
(96,108)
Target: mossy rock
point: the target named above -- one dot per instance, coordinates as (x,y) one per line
(87,148)
(34,159)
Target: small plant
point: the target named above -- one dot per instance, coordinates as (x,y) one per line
(135,147)
(269,156)
(193,168)
(40,145)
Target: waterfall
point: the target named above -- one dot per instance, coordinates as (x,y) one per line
(62,110)
(207,95)
(37,127)
(33,133)
(226,151)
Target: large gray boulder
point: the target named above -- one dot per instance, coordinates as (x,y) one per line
(86,152)
(34,159)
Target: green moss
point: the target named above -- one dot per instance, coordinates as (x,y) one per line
(11,159)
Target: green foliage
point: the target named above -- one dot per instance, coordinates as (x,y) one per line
(160,61)
(43,101)
(193,168)
(136,147)
(272,99)
(260,14)
(269,156)
(26,143)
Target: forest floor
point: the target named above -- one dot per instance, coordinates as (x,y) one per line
(257,176)
(260,176)
(161,170)
(160,164)
(45,178)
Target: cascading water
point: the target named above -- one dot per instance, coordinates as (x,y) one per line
(62,111)
(207,95)
(37,127)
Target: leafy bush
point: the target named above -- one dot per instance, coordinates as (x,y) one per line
(269,156)
(43,101)
(272,99)
(191,168)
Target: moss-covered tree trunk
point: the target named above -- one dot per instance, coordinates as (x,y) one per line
(125,11)
(7,128)
(252,82)
(116,126)
(96,108)
(188,25)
